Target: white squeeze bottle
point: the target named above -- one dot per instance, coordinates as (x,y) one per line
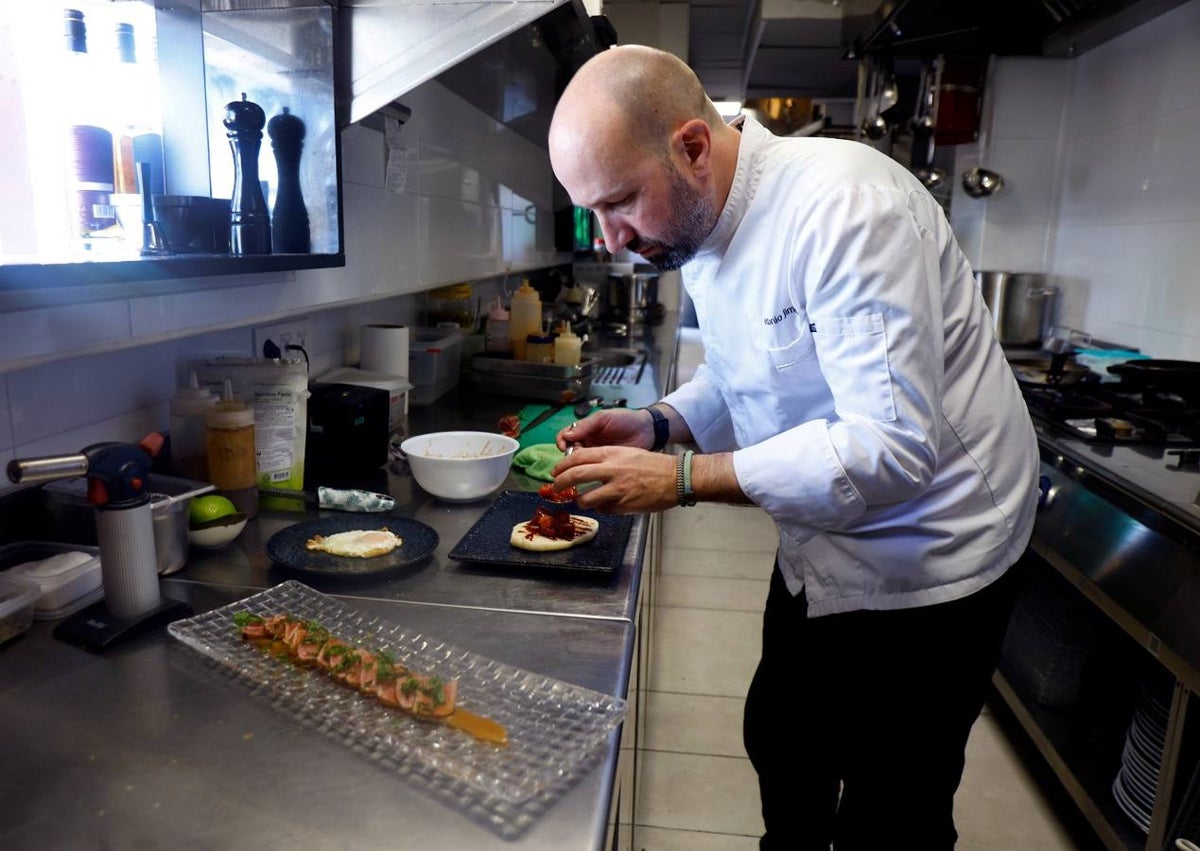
(189,406)
(525,318)
(567,347)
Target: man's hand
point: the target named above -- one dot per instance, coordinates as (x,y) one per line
(632,481)
(612,427)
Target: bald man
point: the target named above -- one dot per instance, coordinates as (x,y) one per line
(853,389)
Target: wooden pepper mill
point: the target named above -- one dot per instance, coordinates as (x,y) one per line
(249,222)
(289,219)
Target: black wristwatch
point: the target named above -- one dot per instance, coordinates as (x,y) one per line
(662,429)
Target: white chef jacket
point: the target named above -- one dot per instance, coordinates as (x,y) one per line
(853,371)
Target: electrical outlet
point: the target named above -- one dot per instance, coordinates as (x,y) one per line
(293,332)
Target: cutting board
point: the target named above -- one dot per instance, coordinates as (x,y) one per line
(544,432)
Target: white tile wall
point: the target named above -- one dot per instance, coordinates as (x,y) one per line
(1130,205)
(1030,105)
(1119,228)
(477,197)
(1019,139)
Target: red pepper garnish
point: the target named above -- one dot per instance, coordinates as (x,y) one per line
(548,493)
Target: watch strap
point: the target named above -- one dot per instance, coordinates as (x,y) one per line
(662,428)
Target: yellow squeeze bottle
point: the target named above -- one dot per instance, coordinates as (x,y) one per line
(525,318)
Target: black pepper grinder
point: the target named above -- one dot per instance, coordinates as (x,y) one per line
(249,223)
(289,219)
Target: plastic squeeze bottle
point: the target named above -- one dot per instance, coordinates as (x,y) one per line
(189,406)
(229,436)
(567,347)
(525,318)
(497,328)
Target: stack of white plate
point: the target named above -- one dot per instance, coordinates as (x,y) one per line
(1142,758)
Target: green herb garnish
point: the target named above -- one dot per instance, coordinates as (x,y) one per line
(409,686)
(244,618)
(434,690)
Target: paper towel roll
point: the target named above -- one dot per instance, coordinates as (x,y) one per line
(385,349)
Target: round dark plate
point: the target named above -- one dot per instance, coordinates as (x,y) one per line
(287,546)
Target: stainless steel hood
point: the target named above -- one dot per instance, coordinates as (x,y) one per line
(388,47)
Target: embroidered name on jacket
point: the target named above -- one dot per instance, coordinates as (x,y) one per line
(778,317)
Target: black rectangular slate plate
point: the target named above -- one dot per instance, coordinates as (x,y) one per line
(487,541)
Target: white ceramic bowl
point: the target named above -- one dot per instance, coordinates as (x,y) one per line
(459,466)
(218,535)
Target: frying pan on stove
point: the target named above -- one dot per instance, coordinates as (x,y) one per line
(1179,375)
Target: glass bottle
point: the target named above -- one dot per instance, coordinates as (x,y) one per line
(89,144)
(137,126)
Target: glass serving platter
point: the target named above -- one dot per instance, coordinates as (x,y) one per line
(554,728)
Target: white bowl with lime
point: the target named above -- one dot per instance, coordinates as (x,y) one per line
(213,521)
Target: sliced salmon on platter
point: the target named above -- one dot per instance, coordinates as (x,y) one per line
(374,673)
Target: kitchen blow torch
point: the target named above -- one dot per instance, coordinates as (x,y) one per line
(117,475)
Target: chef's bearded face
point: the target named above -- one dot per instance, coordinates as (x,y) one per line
(691,220)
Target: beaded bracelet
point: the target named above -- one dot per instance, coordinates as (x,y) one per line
(683,479)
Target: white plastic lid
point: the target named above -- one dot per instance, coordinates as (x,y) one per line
(229,412)
(193,400)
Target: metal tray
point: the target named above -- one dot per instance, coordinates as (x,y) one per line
(554,727)
(496,364)
(525,387)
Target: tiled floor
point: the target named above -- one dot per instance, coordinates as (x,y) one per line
(716,567)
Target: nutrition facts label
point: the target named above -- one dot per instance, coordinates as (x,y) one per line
(275,434)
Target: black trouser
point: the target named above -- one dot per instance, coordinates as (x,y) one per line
(856,723)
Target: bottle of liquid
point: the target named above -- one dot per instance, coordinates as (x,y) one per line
(229,440)
(190,406)
(498,339)
(90,145)
(525,318)
(567,347)
(137,130)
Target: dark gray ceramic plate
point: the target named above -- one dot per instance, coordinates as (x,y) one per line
(287,546)
(487,541)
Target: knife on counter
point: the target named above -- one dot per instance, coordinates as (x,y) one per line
(337,499)
(567,398)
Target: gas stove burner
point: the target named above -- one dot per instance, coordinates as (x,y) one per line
(1116,414)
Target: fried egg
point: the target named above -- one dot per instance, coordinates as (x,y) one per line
(357,543)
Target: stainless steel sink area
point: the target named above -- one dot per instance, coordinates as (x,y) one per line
(618,366)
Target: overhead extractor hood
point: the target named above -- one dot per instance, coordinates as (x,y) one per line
(388,47)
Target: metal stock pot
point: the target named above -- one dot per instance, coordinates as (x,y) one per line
(1021,305)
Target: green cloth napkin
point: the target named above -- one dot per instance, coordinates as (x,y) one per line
(538,460)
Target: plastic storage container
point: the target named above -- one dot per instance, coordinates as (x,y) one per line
(67,575)
(539,348)
(17,598)
(433,362)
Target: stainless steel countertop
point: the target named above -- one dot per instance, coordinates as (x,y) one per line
(440,580)
(147,746)
(437,580)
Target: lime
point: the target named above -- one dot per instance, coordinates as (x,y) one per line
(206,508)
